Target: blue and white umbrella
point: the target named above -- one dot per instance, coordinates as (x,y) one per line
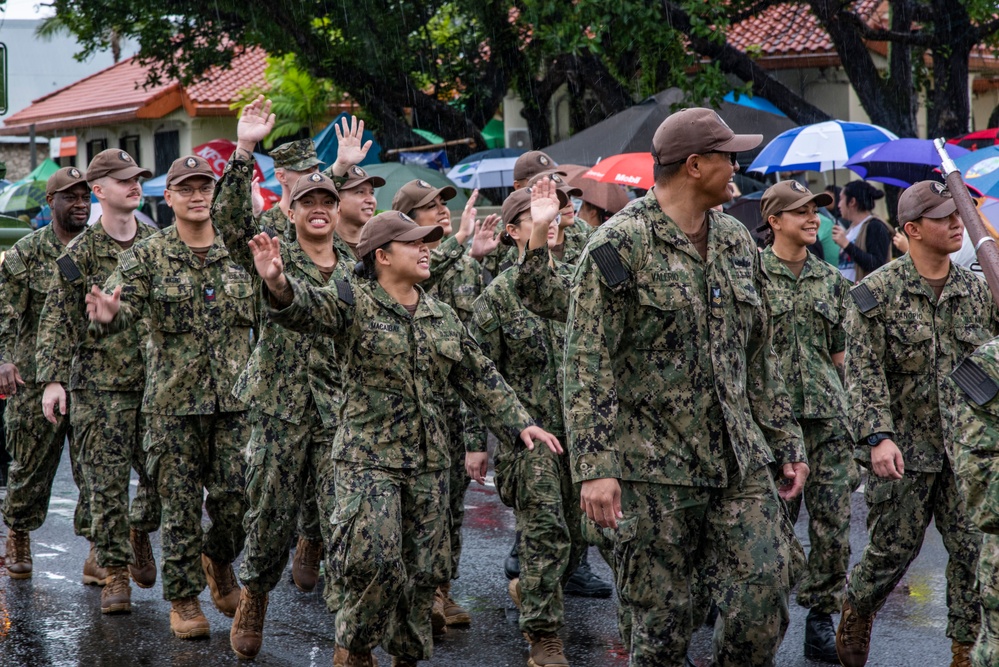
(487,169)
(818,147)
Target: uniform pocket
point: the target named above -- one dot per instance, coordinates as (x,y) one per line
(239,302)
(909,349)
(665,317)
(172,305)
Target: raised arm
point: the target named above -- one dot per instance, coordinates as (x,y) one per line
(15,295)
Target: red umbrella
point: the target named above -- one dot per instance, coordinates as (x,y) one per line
(634,169)
(611,198)
(218,152)
(976,140)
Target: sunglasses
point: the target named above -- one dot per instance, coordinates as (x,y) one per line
(733,158)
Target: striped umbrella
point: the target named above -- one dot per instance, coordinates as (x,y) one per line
(818,147)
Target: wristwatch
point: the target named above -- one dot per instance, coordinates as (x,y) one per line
(874,439)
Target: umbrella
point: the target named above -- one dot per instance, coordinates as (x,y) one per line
(818,147)
(42,172)
(22,196)
(396,175)
(487,169)
(754,102)
(634,169)
(989,209)
(976,140)
(608,196)
(980,170)
(631,130)
(901,162)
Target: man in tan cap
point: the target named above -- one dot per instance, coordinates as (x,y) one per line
(914,321)
(26,275)
(105,380)
(291,161)
(530,166)
(673,399)
(197,304)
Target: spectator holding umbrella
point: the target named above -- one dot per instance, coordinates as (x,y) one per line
(866,243)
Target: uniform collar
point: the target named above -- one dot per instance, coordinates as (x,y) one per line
(774,265)
(915,284)
(426,307)
(298,256)
(667,230)
(179,250)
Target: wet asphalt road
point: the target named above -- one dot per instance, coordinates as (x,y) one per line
(52,619)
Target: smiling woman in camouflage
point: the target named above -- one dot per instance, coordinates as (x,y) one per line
(401,352)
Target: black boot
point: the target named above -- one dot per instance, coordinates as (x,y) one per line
(820,637)
(511,566)
(583,583)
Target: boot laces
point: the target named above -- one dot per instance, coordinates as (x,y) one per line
(142,549)
(551,645)
(857,629)
(188,608)
(225,578)
(252,612)
(117,584)
(20,545)
(962,655)
(311,554)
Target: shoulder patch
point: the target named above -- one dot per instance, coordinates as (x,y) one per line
(68,268)
(864,298)
(13,263)
(976,383)
(609,263)
(483,315)
(344,291)
(270,231)
(127,260)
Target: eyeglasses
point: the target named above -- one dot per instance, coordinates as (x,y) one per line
(733,158)
(188,191)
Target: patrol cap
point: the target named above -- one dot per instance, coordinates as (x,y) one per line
(187,167)
(356,176)
(697,131)
(520,201)
(296,155)
(115,163)
(64,179)
(926,199)
(419,193)
(394,226)
(560,183)
(787,196)
(534,163)
(314,181)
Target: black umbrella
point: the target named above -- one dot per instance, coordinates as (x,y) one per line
(631,130)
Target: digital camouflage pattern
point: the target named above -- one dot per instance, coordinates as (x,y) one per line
(188,455)
(298,155)
(899,356)
(673,388)
(392,453)
(68,351)
(527,351)
(35,445)
(648,360)
(808,313)
(275,222)
(542,289)
(976,463)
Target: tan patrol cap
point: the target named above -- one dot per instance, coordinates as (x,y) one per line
(787,196)
(187,167)
(356,176)
(697,131)
(311,182)
(64,179)
(532,164)
(394,226)
(926,199)
(115,163)
(419,193)
(560,183)
(520,201)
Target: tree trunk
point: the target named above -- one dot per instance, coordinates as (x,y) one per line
(950,106)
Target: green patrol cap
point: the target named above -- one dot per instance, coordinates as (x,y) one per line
(296,155)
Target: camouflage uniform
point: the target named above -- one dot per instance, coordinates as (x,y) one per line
(392,452)
(808,314)
(35,445)
(104,378)
(976,445)
(536,483)
(903,342)
(275,219)
(292,385)
(673,388)
(199,321)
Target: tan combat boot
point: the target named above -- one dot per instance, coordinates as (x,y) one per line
(546,649)
(961,652)
(143,565)
(247,633)
(18,558)
(344,658)
(438,622)
(853,637)
(93,574)
(305,564)
(116,598)
(454,613)
(186,619)
(222,584)
(513,588)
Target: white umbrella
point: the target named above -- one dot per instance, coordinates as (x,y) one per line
(818,147)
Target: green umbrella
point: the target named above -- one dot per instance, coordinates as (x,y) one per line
(430,136)
(397,175)
(42,171)
(19,197)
